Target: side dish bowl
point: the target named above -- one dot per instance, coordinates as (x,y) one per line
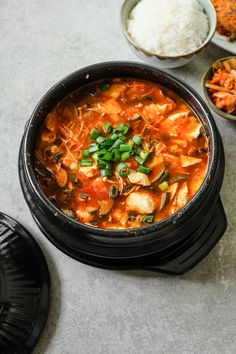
(166,61)
(205,78)
(110,248)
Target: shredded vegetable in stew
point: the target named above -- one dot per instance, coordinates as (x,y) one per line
(121,154)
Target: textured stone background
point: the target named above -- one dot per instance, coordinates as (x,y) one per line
(94,310)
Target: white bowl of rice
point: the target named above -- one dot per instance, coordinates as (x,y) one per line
(168,33)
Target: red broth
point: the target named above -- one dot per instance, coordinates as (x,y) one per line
(120,154)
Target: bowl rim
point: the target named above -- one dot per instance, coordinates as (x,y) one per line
(120,233)
(221,113)
(211,32)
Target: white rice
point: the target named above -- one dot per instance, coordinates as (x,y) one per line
(168,27)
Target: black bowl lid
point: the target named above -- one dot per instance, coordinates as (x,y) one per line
(24,288)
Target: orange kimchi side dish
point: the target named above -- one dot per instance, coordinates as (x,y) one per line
(222,86)
(121,154)
(226,18)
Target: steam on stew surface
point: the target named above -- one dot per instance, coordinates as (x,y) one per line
(121,154)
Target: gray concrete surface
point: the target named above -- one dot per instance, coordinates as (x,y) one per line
(94,310)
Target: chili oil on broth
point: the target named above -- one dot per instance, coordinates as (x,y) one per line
(123,153)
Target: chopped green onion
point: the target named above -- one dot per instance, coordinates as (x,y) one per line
(69,213)
(108,156)
(123,169)
(137,139)
(113,193)
(123,128)
(107,128)
(116,155)
(125,156)
(139,160)
(101,152)
(106,172)
(93,148)
(116,144)
(120,127)
(143,154)
(100,139)
(164,177)
(126,129)
(105,87)
(148,219)
(86,152)
(95,133)
(114,136)
(87,162)
(102,164)
(122,138)
(83,195)
(144,169)
(163,186)
(125,147)
(108,141)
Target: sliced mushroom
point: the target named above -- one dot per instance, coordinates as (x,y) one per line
(88,171)
(182,196)
(140,202)
(186,161)
(173,189)
(175,116)
(105,206)
(139,178)
(165,198)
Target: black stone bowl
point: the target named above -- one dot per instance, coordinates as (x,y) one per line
(173,245)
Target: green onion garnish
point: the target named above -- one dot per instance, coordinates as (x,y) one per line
(114,136)
(143,154)
(120,128)
(125,130)
(163,186)
(113,193)
(116,144)
(83,195)
(107,128)
(164,177)
(108,156)
(148,219)
(94,148)
(139,160)
(123,169)
(125,156)
(100,139)
(137,139)
(102,164)
(116,155)
(107,171)
(86,152)
(108,141)
(125,147)
(144,169)
(87,162)
(95,133)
